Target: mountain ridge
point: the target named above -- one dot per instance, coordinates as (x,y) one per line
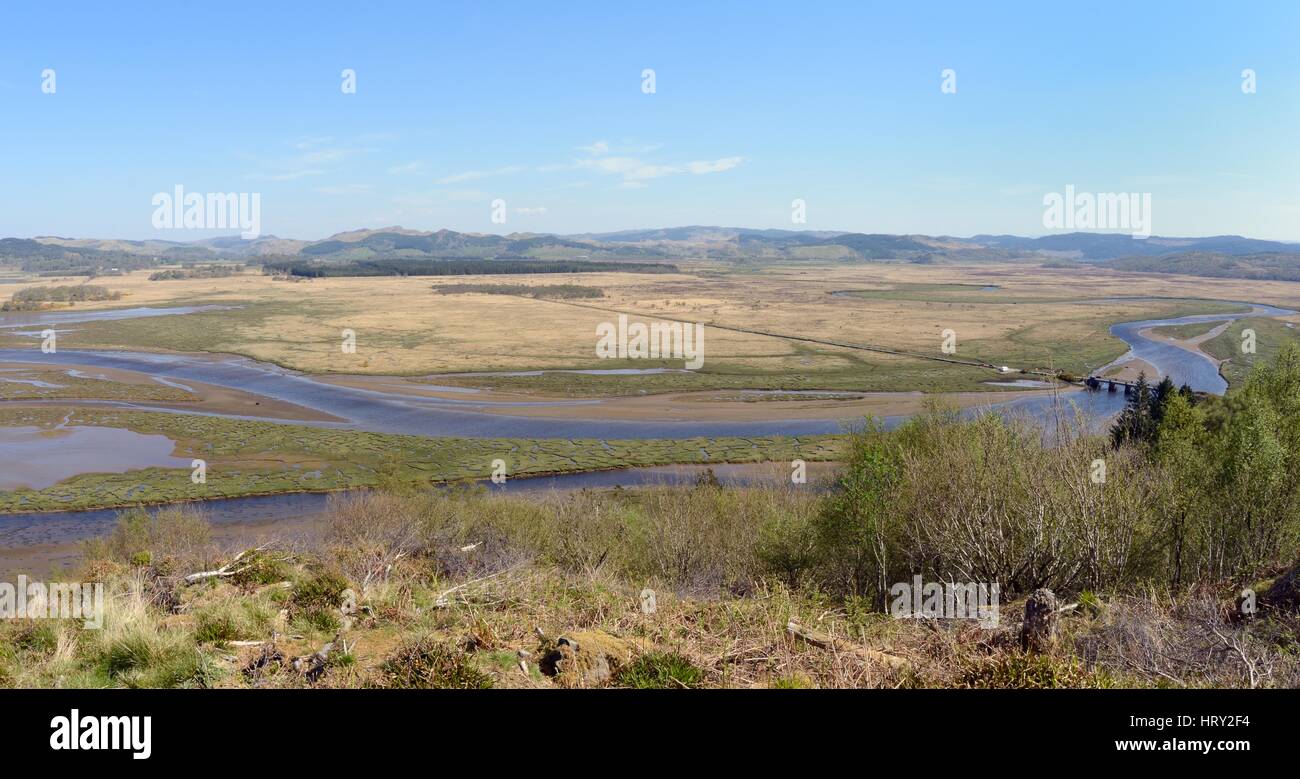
(58,253)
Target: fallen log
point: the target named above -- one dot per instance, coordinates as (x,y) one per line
(228,569)
(828,642)
(313,665)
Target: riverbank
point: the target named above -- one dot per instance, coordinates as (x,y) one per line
(46,543)
(742,405)
(29,383)
(1182,360)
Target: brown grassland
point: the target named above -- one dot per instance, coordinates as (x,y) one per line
(1032,319)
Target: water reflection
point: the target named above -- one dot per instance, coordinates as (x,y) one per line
(36,457)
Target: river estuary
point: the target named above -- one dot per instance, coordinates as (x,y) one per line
(37,541)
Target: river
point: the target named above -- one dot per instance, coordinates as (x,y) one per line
(1181,365)
(393,412)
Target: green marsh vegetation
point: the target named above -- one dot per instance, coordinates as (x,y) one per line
(59,384)
(837,370)
(1271,337)
(246,457)
(1182,332)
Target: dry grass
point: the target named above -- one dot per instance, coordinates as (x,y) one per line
(906,306)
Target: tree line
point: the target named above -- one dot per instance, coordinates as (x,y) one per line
(467,267)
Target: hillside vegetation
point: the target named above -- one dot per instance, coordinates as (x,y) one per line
(1277,266)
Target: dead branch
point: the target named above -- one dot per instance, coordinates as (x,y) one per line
(441,602)
(825,641)
(228,569)
(313,665)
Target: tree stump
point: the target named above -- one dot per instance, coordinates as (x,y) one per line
(1284,593)
(589,658)
(1038,631)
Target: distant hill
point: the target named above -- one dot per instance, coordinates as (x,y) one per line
(880,247)
(257,247)
(708,235)
(208,248)
(33,255)
(1108,246)
(1278,266)
(449,244)
(1202,256)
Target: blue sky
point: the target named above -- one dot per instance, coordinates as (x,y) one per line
(756,104)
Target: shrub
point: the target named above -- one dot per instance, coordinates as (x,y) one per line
(1020,671)
(429,664)
(216,626)
(260,568)
(323,589)
(792,682)
(170,538)
(660,671)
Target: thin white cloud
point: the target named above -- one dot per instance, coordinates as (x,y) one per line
(312,159)
(472,175)
(634,170)
(622,161)
(701,167)
(346,189)
(404,169)
(630,168)
(440,197)
(326,155)
(626,147)
(1021,190)
(290,175)
(312,142)
(572,185)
